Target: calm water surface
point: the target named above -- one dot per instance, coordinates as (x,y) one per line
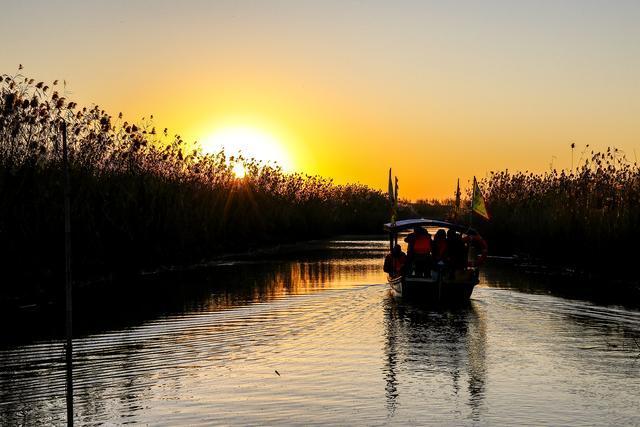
(319,340)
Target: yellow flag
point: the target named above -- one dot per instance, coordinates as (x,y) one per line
(477,204)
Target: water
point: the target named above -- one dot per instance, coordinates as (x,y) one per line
(319,340)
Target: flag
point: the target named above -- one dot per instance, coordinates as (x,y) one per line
(455,211)
(395,204)
(477,201)
(392,198)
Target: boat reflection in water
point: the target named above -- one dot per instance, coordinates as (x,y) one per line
(428,351)
(202,347)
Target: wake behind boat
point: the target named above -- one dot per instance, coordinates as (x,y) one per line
(442,270)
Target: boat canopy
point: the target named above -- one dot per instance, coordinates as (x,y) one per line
(407,224)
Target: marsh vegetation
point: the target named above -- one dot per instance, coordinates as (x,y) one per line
(587,218)
(142,197)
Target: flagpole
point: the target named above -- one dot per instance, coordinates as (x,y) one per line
(393,220)
(457,208)
(395,200)
(473,197)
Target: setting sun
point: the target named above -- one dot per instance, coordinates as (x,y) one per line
(250,143)
(238,170)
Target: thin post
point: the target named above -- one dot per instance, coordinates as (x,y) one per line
(457,207)
(67,276)
(473,196)
(573,145)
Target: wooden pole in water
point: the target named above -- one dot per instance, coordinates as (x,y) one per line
(67,277)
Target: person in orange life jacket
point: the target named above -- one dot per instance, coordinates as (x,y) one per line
(440,246)
(419,251)
(395,262)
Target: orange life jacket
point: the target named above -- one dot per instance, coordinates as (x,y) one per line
(421,245)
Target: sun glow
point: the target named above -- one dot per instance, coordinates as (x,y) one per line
(250,143)
(238,170)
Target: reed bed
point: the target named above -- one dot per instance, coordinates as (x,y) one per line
(588,219)
(142,198)
(434,208)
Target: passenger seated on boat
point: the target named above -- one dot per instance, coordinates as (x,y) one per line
(419,251)
(395,262)
(475,250)
(440,246)
(456,252)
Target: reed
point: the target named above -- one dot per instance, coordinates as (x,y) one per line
(586,219)
(434,208)
(142,198)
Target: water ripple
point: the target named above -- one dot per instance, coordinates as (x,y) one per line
(323,342)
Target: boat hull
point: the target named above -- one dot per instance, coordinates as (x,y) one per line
(437,289)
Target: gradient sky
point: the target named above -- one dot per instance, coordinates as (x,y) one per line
(438,90)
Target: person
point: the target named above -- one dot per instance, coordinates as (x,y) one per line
(456,253)
(476,250)
(419,251)
(440,246)
(395,261)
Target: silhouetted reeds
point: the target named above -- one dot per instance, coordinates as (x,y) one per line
(140,197)
(434,208)
(588,218)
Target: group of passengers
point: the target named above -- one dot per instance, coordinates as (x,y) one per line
(446,250)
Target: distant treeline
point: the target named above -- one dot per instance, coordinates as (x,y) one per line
(588,219)
(141,198)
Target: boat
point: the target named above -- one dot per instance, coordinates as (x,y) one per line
(443,285)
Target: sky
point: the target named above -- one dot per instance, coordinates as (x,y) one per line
(346,89)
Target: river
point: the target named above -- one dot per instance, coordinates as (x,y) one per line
(318,339)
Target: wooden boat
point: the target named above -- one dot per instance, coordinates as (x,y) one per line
(444,285)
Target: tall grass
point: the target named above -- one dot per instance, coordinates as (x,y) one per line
(434,208)
(140,197)
(588,218)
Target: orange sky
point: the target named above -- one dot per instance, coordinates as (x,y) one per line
(349,89)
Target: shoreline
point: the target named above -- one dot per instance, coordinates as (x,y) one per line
(46,297)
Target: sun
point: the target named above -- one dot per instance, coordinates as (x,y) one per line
(238,170)
(250,142)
